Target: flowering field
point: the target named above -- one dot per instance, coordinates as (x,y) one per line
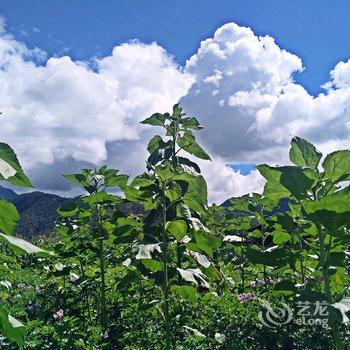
(261,271)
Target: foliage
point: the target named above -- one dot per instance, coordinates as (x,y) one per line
(11,171)
(189,275)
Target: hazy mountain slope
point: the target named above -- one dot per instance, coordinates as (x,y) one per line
(38,211)
(6,193)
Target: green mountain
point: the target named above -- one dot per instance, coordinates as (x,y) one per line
(38,211)
(6,193)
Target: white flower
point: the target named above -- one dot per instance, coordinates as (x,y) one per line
(220,338)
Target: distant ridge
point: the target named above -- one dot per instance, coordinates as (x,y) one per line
(38,211)
(6,193)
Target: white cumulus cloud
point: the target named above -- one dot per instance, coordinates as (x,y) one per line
(60,114)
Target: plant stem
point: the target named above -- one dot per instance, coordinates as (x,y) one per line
(264,266)
(166,277)
(103,286)
(102,273)
(242,271)
(326,283)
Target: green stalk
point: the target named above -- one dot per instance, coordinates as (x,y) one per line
(102,273)
(166,277)
(264,266)
(301,262)
(242,256)
(242,271)
(326,284)
(173,161)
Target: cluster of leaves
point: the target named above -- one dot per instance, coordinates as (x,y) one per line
(11,171)
(191,276)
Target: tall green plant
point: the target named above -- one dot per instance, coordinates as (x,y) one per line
(175,194)
(316,193)
(89,225)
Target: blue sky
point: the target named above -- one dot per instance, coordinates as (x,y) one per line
(317,31)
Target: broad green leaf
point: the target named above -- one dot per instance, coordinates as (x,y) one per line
(80,179)
(336,259)
(153,144)
(157,143)
(8,217)
(304,154)
(239,203)
(337,166)
(194,222)
(177,228)
(293,178)
(332,211)
(155,119)
(139,195)
(191,123)
(213,273)
(286,286)
(153,265)
(13,329)
(276,257)
(10,169)
(275,191)
(188,164)
(164,172)
(100,198)
(113,180)
(177,111)
(185,292)
(188,143)
(21,246)
(126,230)
(197,191)
(173,192)
(205,243)
(272,174)
(196,196)
(280,237)
(142,181)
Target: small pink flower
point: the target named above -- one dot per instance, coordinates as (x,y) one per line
(58,315)
(244,297)
(254,283)
(73,279)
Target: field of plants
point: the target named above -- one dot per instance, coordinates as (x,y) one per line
(261,271)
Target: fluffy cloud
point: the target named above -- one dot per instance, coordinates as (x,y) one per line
(65,109)
(61,114)
(246,98)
